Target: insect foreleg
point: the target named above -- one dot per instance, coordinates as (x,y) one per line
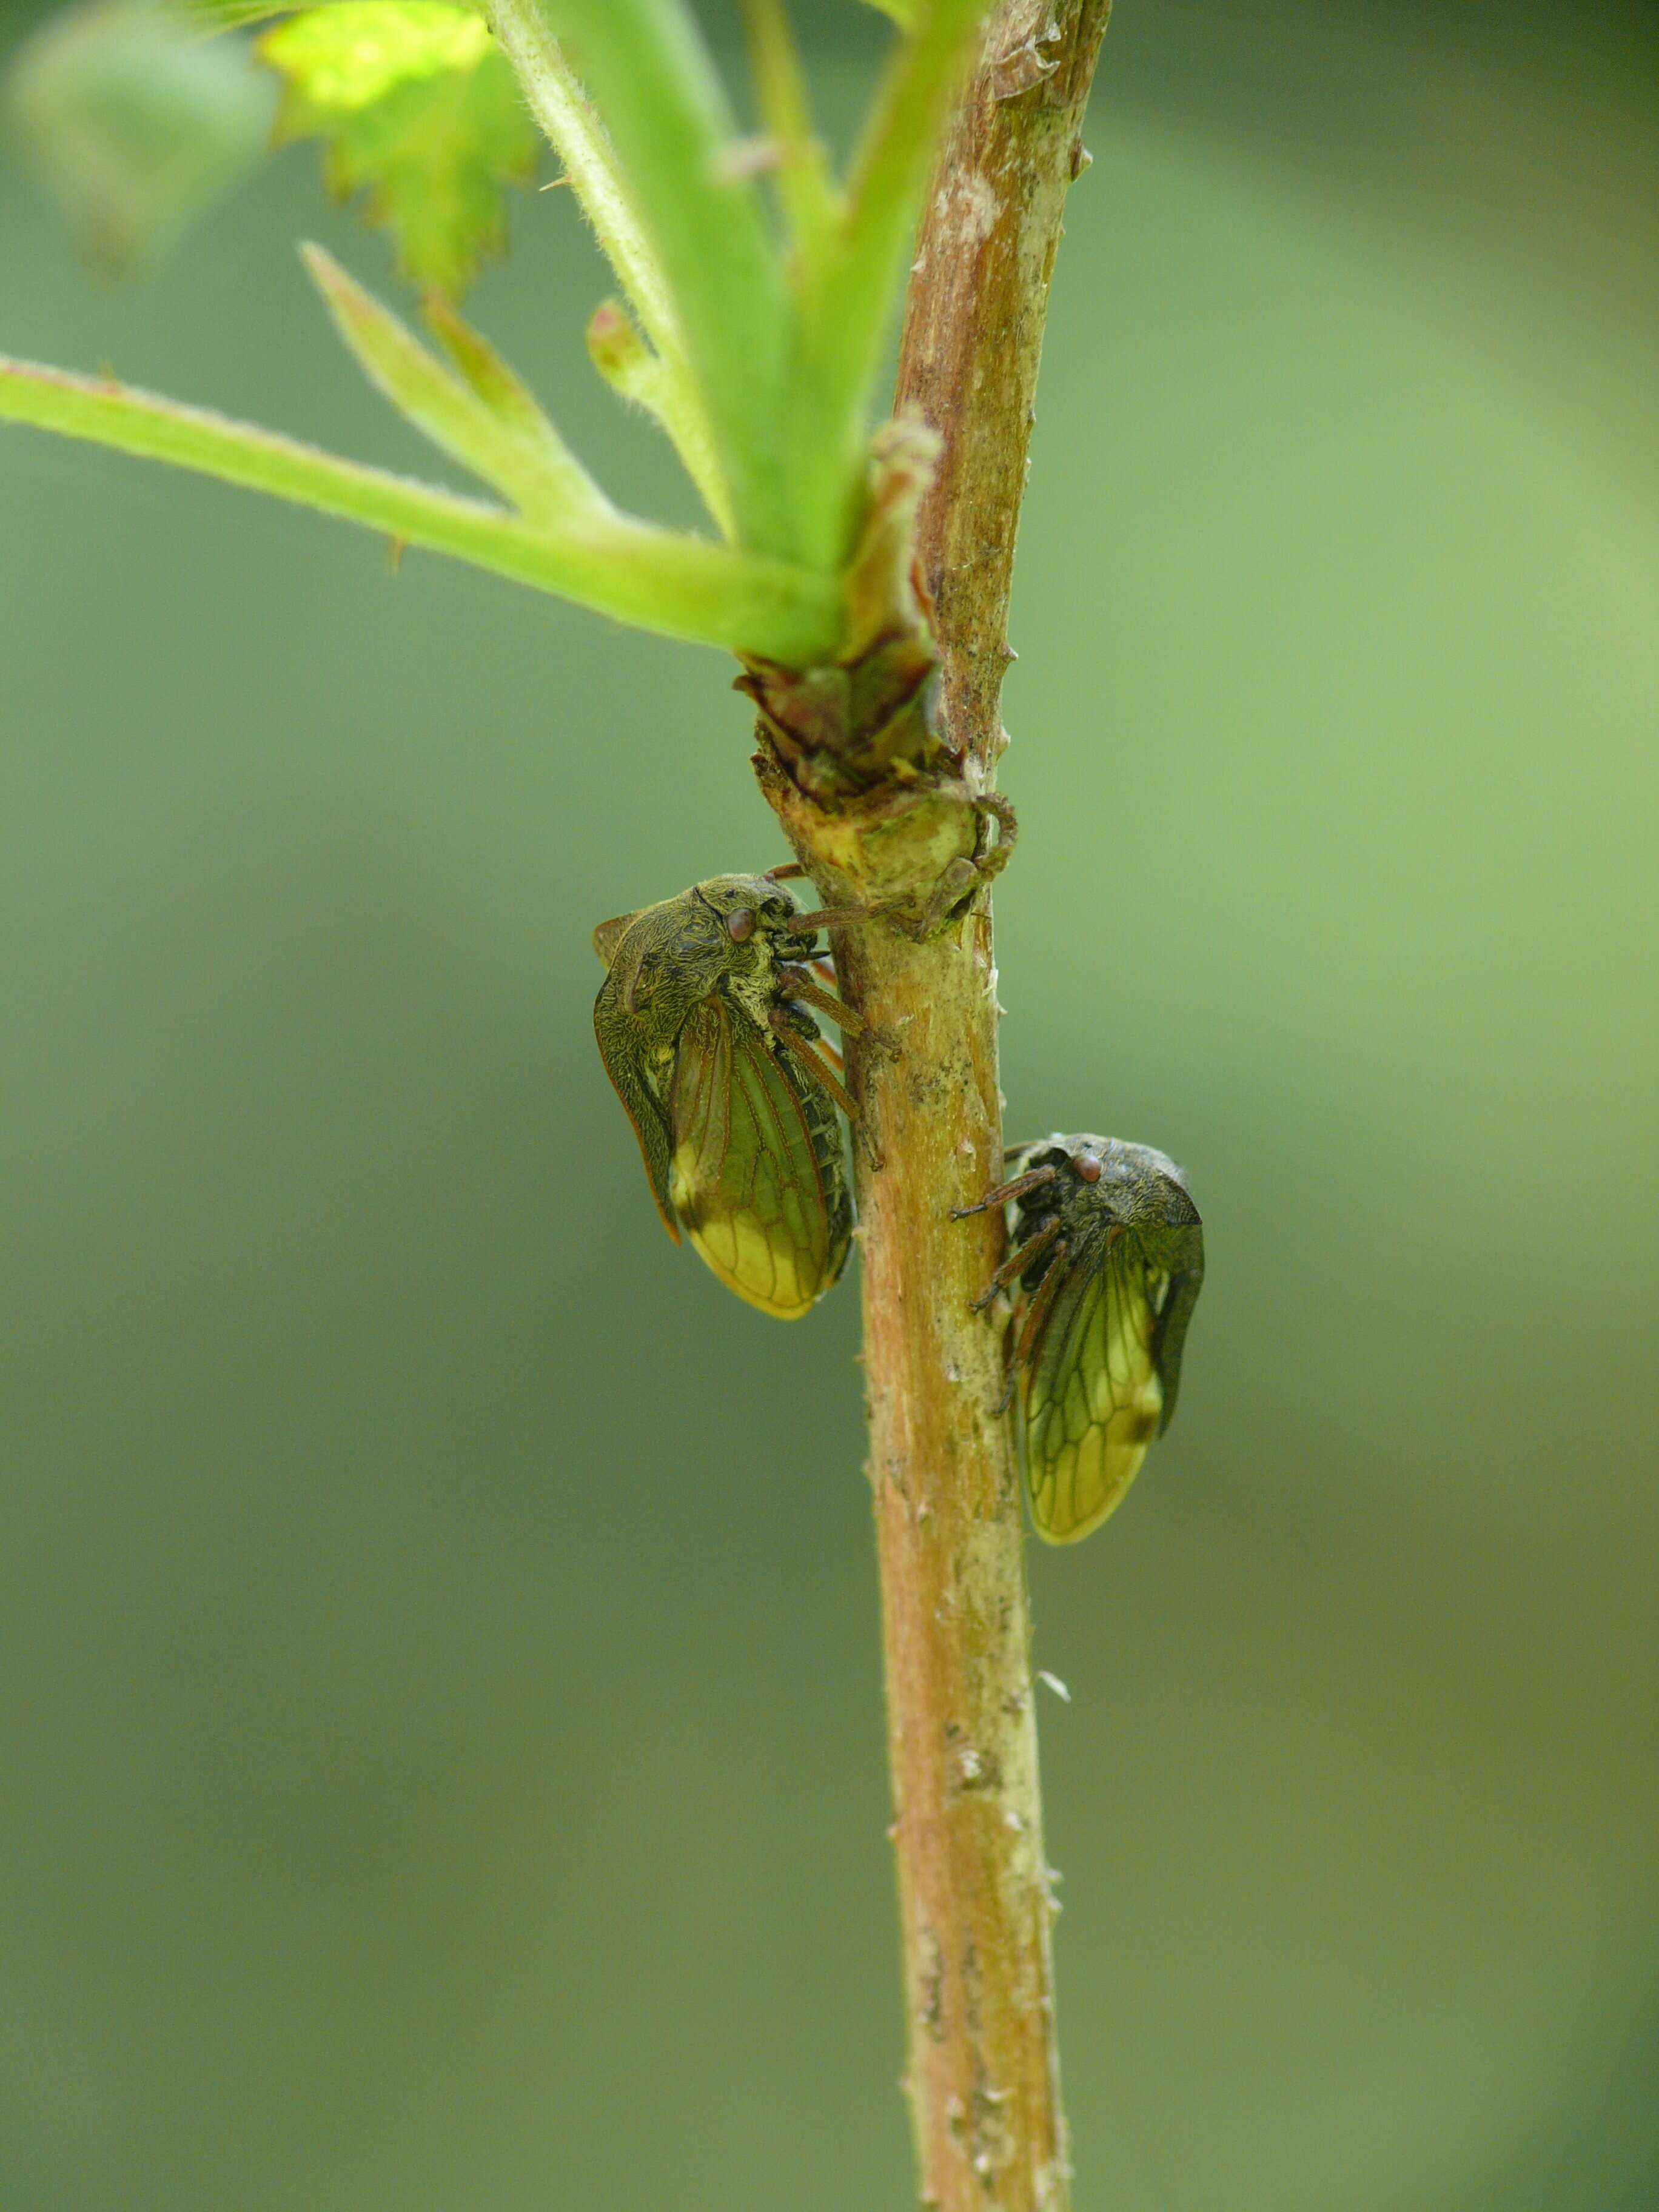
(837,917)
(1005,1193)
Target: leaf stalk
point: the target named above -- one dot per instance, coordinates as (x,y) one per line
(659,580)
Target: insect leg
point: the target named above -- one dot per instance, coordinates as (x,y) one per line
(809,1064)
(1040,1305)
(837,917)
(826,971)
(1015,1264)
(1009,1374)
(801,985)
(805,1057)
(1021,1337)
(784,871)
(1005,1193)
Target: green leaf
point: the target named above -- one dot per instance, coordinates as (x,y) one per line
(561,105)
(850,295)
(659,580)
(135,128)
(417,107)
(653,81)
(227,14)
(502,391)
(809,200)
(504,437)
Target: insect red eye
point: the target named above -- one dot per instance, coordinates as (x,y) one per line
(740,924)
(1085,1167)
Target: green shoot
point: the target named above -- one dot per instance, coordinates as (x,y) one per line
(755,345)
(659,580)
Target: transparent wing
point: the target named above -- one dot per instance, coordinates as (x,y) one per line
(1090,1394)
(757,1177)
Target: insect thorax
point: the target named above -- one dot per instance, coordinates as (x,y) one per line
(749,967)
(1129,1188)
(751,981)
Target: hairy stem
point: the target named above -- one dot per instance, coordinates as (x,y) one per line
(973,1884)
(562,108)
(663,110)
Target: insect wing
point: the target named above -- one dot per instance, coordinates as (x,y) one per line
(608,935)
(1169,1338)
(621,1049)
(757,1177)
(1092,1397)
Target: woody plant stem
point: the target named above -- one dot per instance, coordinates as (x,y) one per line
(761,368)
(975,1898)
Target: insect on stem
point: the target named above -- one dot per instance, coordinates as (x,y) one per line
(1109,1261)
(692,1021)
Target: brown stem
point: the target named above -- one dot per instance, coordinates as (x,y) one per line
(973,1883)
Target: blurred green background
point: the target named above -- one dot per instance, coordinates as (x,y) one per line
(442,1751)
